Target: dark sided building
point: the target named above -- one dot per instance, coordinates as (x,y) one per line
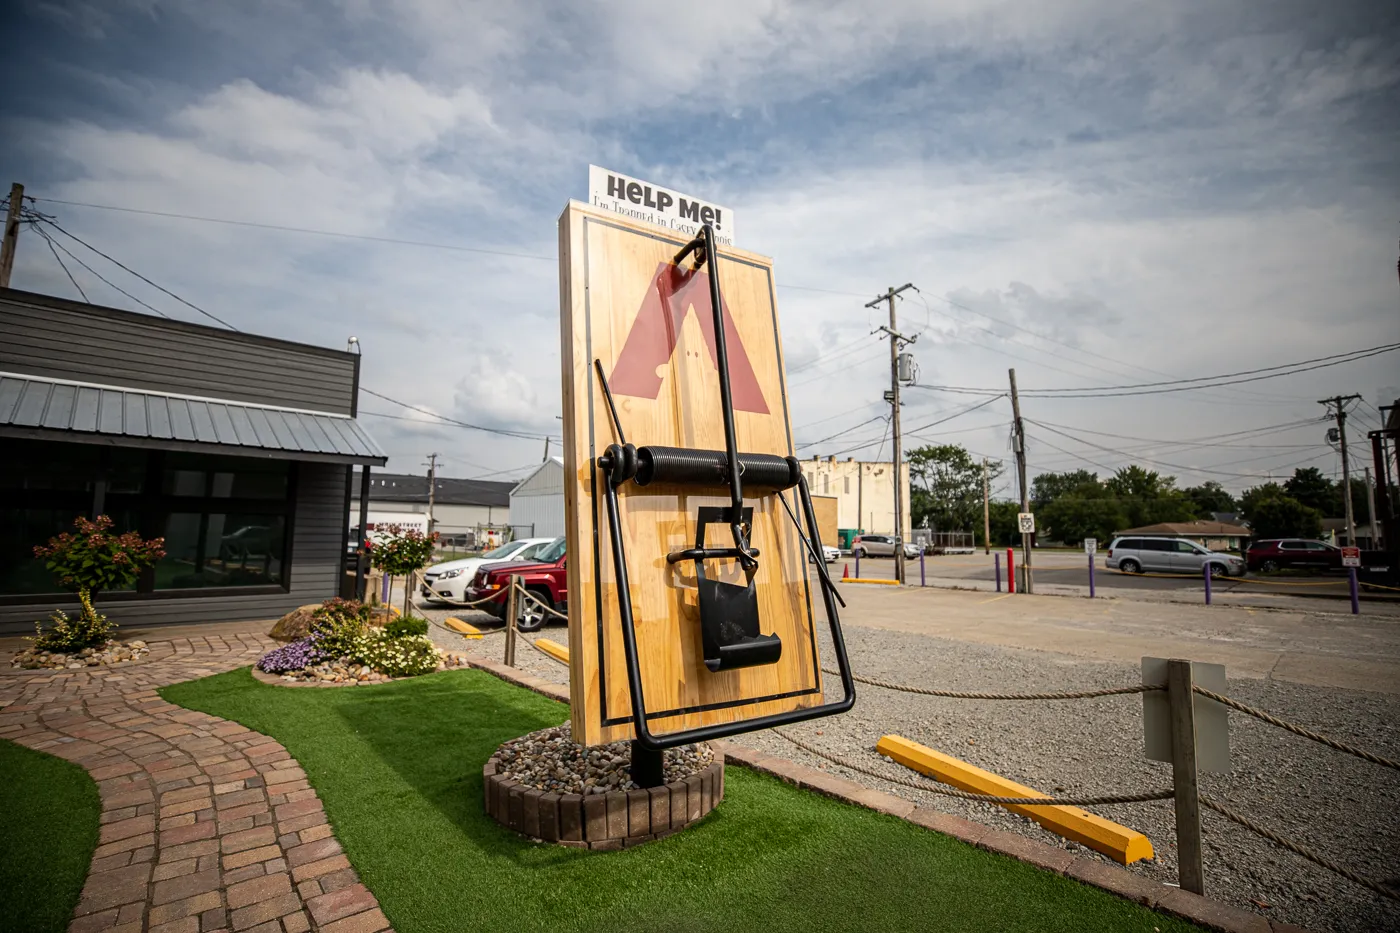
(237,449)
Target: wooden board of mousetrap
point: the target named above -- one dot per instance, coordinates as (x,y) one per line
(623,301)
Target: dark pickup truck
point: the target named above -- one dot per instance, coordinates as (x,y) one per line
(545,578)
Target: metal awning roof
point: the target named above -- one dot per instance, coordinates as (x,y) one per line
(39,407)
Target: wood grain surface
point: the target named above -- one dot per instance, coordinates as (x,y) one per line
(623,302)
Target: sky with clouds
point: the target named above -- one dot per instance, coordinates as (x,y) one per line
(1095,193)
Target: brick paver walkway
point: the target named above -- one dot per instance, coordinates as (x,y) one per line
(206,825)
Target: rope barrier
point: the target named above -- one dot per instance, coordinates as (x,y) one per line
(943,791)
(1298,849)
(955,695)
(1296,730)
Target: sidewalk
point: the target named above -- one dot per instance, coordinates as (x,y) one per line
(1308,642)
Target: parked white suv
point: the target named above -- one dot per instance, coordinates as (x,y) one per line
(447,582)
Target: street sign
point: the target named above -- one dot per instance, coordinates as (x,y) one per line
(1091,546)
(1026,521)
(1212,724)
(1351,557)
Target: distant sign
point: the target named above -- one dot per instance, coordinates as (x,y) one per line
(1091,546)
(1026,522)
(653,204)
(1351,557)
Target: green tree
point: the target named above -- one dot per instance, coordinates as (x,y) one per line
(1089,511)
(1210,497)
(1147,497)
(1047,487)
(946,487)
(1005,531)
(1282,516)
(1312,488)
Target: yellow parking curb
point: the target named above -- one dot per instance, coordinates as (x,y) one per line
(1119,843)
(869,580)
(465,629)
(552,648)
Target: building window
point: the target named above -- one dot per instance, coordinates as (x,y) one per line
(226,520)
(848,484)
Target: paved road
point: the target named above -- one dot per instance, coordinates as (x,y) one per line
(1070,568)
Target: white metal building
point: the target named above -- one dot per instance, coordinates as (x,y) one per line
(537,501)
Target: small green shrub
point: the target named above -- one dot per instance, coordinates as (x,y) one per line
(67,634)
(338,623)
(403,656)
(402,626)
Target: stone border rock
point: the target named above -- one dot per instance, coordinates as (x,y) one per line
(1211,914)
(278,680)
(603,822)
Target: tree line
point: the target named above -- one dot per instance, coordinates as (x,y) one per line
(946,489)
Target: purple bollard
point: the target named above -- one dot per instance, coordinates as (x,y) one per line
(997,559)
(1355,596)
(1091,576)
(921,568)
(857,565)
(1206,571)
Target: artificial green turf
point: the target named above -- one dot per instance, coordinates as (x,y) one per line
(49,811)
(398,767)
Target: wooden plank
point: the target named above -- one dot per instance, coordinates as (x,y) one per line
(1118,842)
(825,509)
(611,272)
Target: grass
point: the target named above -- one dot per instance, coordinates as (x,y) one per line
(49,811)
(398,767)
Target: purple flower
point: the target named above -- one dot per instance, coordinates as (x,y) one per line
(293,656)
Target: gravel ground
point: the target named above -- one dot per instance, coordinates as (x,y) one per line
(1340,806)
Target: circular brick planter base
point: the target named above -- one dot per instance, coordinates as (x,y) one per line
(603,821)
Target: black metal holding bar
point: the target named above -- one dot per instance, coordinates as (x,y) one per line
(706,553)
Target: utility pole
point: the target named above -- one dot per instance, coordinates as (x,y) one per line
(1340,401)
(432,488)
(896,341)
(546,451)
(986,511)
(1371,507)
(11,238)
(1027,585)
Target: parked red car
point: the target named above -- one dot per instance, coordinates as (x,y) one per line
(1299,553)
(545,577)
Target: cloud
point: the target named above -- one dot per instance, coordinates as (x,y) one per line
(1140,190)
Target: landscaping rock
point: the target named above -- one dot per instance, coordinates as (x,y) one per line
(550,760)
(113,652)
(295,624)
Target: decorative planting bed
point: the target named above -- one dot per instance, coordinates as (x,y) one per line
(113,652)
(546,786)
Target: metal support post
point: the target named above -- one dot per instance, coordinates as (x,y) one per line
(996,561)
(1091,576)
(648,765)
(1011,570)
(1355,595)
(921,568)
(1190,874)
(1206,570)
(512,613)
(857,555)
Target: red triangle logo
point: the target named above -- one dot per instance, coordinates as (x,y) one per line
(652,339)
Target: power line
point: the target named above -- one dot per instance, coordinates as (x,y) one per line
(126,268)
(453,421)
(840,433)
(49,240)
(98,275)
(1223,379)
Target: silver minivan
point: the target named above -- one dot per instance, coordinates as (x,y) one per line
(1169,555)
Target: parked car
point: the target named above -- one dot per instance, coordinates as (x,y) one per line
(546,578)
(832,554)
(1170,555)
(1277,554)
(447,582)
(880,546)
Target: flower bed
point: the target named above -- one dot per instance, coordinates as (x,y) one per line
(345,647)
(106,654)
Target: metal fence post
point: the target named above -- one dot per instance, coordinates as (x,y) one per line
(1190,874)
(1355,596)
(512,613)
(1206,570)
(921,571)
(1091,576)
(996,559)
